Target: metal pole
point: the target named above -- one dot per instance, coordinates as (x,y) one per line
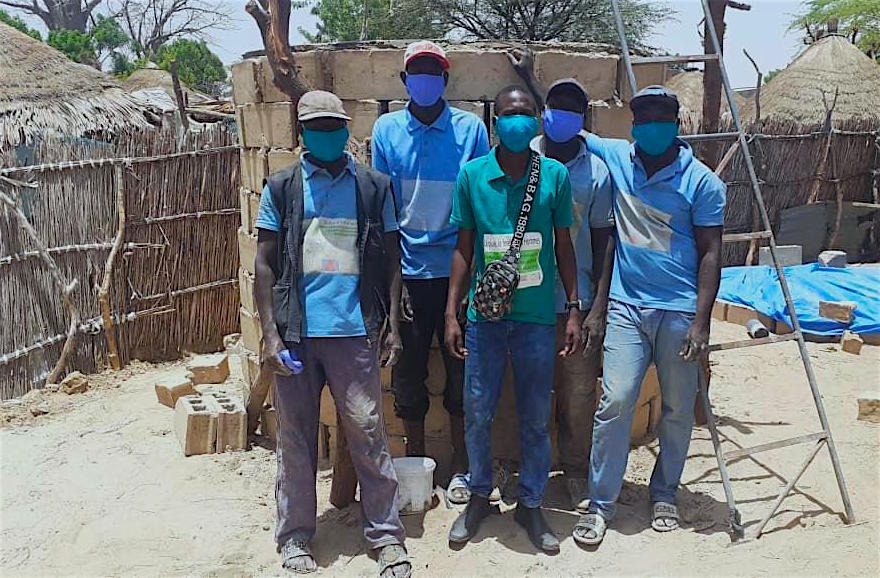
(788,487)
(624,47)
(783,282)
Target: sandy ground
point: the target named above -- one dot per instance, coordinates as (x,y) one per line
(99,487)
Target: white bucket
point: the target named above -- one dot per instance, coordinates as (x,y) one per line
(415,476)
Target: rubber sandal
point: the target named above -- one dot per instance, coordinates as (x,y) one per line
(665,511)
(296,549)
(391,557)
(459,491)
(590,522)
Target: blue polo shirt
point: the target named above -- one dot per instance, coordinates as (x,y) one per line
(331,267)
(591,193)
(423,162)
(656,260)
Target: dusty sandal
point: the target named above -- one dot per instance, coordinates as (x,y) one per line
(296,557)
(665,517)
(458,490)
(590,530)
(394,563)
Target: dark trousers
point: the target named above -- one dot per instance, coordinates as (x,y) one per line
(411,401)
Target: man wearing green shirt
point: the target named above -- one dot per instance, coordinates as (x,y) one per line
(487,199)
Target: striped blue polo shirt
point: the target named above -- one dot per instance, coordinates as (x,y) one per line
(423,162)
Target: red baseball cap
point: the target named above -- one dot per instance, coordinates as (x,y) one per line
(425,48)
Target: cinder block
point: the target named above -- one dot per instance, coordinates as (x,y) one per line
(247,250)
(740,314)
(239,125)
(385,377)
(244,82)
(213,368)
(870,338)
(254,169)
(246,290)
(243,205)
(836,259)
(869,407)
(719,311)
(359,74)
(231,427)
(253,211)
(269,125)
(474,107)
(250,119)
(171,387)
(251,331)
(195,425)
(788,255)
(477,75)
(395,105)
(597,72)
(611,120)
(852,343)
(280,159)
(268,91)
(841,311)
(363,115)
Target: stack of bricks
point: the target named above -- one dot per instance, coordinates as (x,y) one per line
(211,422)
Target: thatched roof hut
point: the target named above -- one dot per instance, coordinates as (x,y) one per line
(689,87)
(829,65)
(152,76)
(42,91)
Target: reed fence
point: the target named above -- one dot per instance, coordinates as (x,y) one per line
(141,233)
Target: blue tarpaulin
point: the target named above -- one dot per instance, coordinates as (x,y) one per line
(758,288)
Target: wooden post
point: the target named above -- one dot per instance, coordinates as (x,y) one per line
(345,480)
(104,292)
(178,95)
(712,80)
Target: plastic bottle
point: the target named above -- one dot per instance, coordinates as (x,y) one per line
(291,361)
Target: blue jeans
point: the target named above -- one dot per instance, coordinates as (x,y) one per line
(531,349)
(635,337)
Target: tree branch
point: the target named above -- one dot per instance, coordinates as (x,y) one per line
(275,29)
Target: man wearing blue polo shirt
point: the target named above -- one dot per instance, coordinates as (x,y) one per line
(669,213)
(422,148)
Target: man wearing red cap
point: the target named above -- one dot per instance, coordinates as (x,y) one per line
(422,148)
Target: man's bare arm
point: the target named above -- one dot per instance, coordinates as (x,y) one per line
(459,284)
(264,281)
(708,279)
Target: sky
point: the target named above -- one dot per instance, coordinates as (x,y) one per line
(762,31)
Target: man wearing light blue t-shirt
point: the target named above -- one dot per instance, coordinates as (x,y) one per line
(669,214)
(422,148)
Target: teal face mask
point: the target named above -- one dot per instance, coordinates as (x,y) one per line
(516,131)
(655,138)
(326,146)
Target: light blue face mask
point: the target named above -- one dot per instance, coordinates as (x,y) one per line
(655,138)
(325,145)
(516,131)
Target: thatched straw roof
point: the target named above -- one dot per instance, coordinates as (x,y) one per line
(832,63)
(689,87)
(154,77)
(43,91)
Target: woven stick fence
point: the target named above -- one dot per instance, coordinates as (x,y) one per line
(171,285)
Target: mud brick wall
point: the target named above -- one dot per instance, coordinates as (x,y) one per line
(367,80)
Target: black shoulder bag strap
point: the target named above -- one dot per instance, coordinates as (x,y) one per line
(522,222)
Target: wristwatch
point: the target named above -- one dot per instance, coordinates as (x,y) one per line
(578,304)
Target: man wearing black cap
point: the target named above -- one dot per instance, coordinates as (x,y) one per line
(669,215)
(575,377)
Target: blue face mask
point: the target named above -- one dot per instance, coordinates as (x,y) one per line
(326,146)
(425,89)
(655,138)
(562,125)
(516,131)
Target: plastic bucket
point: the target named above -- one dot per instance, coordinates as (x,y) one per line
(415,476)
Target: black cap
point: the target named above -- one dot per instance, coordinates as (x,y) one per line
(655,96)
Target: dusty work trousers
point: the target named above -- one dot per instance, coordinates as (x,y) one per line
(575,385)
(350,367)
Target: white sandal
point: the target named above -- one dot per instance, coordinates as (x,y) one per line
(663,512)
(459,491)
(592,522)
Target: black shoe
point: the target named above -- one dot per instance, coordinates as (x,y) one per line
(537,527)
(468,523)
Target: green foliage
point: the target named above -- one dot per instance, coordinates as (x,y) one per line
(197,66)
(77,46)
(769,76)
(858,19)
(19,25)
(342,20)
(108,35)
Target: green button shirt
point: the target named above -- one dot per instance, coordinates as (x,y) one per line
(487,202)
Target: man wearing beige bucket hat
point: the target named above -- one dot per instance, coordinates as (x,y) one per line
(327,265)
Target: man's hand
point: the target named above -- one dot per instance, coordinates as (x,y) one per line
(406,310)
(696,342)
(454,338)
(523,62)
(392,345)
(272,346)
(593,331)
(573,340)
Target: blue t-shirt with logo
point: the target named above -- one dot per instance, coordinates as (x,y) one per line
(331,267)
(423,162)
(656,260)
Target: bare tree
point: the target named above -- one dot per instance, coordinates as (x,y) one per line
(58,14)
(154,23)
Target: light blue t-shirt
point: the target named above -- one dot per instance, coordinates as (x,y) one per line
(656,260)
(591,193)
(423,162)
(328,289)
